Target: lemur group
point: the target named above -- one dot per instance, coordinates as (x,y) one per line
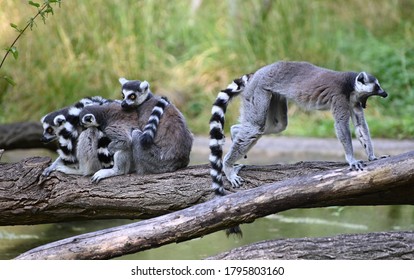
(145,133)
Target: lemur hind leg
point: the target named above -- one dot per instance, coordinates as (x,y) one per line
(247,133)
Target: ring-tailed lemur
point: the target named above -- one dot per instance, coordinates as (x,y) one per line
(162,143)
(117,125)
(264,110)
(63,125)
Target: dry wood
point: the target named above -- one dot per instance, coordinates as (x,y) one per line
(379,180)
(28,198)
(22,135)
(370,246)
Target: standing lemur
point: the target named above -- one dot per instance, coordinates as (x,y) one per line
(148,134)
(264,110)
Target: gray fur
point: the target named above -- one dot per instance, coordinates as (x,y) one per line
(117,126)
(264,107)
(171,140)
(63,125)
(86,152)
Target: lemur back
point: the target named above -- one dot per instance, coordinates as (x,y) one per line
(264,111)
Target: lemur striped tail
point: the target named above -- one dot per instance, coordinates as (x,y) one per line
(216,129)
(150,130)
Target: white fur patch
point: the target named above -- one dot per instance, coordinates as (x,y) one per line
(103,151)
(73,111)
(215,125)
(158,109)
(223,96)
(233,86)
(144,85)
(142,98)
(215,142)
(122,80)
(217,110)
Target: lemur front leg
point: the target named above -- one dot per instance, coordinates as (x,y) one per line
(362,131)
(343,133)
(59,165)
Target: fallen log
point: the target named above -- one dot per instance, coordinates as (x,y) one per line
(28,198)
(23,135)
(369,246)
(379,180)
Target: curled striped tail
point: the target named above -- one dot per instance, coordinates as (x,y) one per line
(150,130)
(104,156)
(216,130)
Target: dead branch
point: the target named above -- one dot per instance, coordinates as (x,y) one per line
(369,246)
(383,180)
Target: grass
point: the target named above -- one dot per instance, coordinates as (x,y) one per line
(190,54)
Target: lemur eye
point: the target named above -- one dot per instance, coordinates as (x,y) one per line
(123,95)
(132,96)
(49,130)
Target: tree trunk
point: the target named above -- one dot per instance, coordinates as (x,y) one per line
(28,198)
(22,135)
(390,180)
(370,246)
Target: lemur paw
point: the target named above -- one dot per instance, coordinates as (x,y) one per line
(357,165)
(99,175)
(47,171)
(236,181)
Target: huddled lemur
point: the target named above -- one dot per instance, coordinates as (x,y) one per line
(264,110)
(148,134)
(162,142)
(63,125)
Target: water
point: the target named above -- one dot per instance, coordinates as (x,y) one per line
(289,224)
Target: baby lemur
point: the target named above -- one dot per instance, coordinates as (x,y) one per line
(264,110)
(148,134)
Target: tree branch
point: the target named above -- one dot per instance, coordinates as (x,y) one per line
(392,177)
(28,198)
(22,135)
(370,246)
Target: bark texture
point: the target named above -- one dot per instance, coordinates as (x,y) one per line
(22,135)
(370,246)
(28,198)
(389,180)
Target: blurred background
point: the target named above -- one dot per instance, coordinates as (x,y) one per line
(188,50)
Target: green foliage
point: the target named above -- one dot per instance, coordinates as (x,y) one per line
(189,53)
(42,11)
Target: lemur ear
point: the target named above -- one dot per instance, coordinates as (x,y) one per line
(144,86)
(362,77)
(122,80)
(58,120)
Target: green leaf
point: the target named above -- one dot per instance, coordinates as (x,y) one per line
(14,52)
(37,5)
(14,26)
(9,80)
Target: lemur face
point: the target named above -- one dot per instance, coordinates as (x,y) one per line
(134,93)
(49,129)
(367,85)
(89,120)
